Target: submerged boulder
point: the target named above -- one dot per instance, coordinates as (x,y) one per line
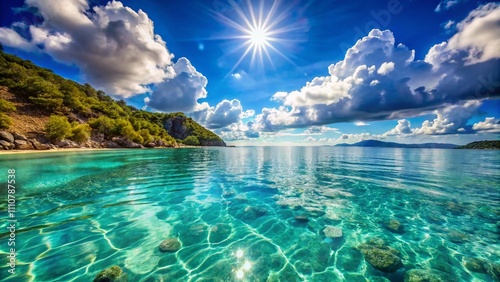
(458,237)
(475,265)
(394,226)
(426,275)
(220,232)
(302,218)
(111,274)
(252,212)
(170,245)
(380,255)
(333,232)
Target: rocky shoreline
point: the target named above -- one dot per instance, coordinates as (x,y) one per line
(17,141)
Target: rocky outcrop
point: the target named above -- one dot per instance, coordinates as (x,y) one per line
(214,143)
(111,274)
(380,255)
(426,275)
(170,245)
(7,136)
(176,127)
(394,226)
(333,232)
(23,145)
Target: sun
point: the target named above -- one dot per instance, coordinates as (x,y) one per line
(258,37)
(262,27)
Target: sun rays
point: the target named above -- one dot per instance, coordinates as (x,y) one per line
(261,28)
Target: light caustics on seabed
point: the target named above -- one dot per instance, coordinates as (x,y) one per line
(257,214)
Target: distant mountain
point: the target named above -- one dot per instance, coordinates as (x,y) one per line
(377,143)
(494,144)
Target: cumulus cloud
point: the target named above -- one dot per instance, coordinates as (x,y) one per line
(223,114)
(360,123)
(247,113)
(450,119)
(114,47)
(386,68)
(181,91)
(378,79)
(279,96)
(357,137)
(403,128)
(310,140)
(478,34)
(489,125)
(320,130)
(238,131)
(11,38)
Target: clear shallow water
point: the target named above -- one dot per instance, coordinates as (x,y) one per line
(234,209)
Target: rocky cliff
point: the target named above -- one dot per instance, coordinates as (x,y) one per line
(181,127)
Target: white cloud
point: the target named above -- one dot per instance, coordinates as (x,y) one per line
(310,140)
(114,46)
(479,34)
(320,130)
(386,68)
(378,79)
(360,123)
(357,137)
(222,115)
(247,114)
(403,128)
(236,75)
(238,131)
(446,5)
(448,25)
(11,38)
(181,91)
(489,125)
(449,119)
(279,96)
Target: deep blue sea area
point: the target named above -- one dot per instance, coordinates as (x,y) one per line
(255,214)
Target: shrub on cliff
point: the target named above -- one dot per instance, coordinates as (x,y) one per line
(80,132)
(103,125)
(191,141)
(57,128)
(5,107)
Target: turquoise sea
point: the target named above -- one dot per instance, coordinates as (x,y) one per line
(255,214)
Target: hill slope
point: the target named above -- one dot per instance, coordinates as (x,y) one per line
(494,144)
(45,110)
(376,143)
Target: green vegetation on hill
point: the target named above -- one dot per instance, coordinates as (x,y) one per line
(76,111)
(494,144)
(5,108)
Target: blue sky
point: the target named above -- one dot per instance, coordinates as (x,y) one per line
(296,72)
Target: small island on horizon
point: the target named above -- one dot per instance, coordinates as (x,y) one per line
(486,144)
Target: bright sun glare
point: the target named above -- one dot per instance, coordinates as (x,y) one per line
(259,37)
(261,26)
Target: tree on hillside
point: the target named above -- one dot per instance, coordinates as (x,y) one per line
(57,128)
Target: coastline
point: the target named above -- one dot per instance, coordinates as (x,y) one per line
(13,152)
